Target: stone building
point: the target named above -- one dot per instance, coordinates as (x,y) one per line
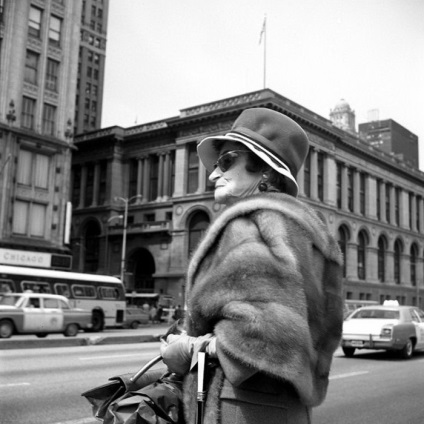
(39,41)
(142,200)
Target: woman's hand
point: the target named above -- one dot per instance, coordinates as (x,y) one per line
(179,351)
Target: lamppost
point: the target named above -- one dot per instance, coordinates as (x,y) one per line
(124,237)
(107,239)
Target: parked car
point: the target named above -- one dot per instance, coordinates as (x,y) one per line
(389,327)
(40,314)
(135,316)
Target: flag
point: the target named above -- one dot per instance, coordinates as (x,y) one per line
(263,31)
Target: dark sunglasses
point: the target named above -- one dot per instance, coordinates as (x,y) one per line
(226,161)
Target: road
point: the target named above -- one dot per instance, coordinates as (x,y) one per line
(43,386)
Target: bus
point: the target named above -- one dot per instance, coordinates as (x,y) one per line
(103,295)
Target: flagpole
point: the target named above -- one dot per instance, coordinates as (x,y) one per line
(265,55)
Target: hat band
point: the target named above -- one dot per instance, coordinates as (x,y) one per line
(278,162)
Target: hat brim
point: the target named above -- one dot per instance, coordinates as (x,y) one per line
(208,155)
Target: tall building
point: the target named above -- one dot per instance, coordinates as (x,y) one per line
(39,42)
(392,138)
(142,200)
(91,65)
(343,117)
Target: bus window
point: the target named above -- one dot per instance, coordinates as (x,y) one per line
(84,291)
(62,289)
(7,286)
(36,287)
(109,293)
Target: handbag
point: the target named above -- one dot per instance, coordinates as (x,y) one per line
(147,397)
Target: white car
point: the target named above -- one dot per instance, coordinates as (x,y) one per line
(40,314)
(388,327)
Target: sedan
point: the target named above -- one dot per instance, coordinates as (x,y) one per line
(386,327)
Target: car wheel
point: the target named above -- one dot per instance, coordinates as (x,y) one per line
(134,325)
(407,350)
(41,335)
(348,351)
(71,330)
(6,329)
(97,321)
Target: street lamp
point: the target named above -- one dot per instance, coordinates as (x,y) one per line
(107,239)
(124,237)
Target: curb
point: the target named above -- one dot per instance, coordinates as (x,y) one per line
(77,341)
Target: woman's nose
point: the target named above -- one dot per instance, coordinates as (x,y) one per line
(216,173)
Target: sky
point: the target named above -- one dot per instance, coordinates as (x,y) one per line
(166,55)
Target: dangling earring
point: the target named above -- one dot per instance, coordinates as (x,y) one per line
(263,186)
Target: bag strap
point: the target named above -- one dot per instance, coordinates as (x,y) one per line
(146,368)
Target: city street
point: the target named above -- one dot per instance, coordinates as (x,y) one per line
(43,386)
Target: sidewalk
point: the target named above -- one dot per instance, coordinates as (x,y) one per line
(143,334)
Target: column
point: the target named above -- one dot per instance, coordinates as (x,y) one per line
(96,184)
(370,197)
(403,209)
(330,181)
(201,178)
(390,265)
(356,194)
(300,180)
(421,214)
(83,185)
(180,171)
(413,212)
(140,176)
(352,261)
(344,188)
(146,179)
(166,174)
(160,177)
(371,263)
(314,173)
(392,205)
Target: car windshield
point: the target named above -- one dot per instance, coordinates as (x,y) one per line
(9,300)
(376,313)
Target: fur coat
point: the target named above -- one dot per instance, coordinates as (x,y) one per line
(266,280)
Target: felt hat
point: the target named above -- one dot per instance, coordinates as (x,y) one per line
(275,138)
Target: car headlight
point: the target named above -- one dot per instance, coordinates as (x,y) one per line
(386,331)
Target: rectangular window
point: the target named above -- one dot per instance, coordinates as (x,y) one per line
(411,203)
(49,115)
(388,187)
(307,175)
(362,193)
(33,169)
(154,174)
(397,205)
(28,111)
(378,197)
(320,176)
(193,169)
(52,75)
(55,30)
(89,185)
(31,67)
(76,186)
(350,189)
(417,214)
(29,219)
(102,182)
(339,184)
(34,26)
(132,179)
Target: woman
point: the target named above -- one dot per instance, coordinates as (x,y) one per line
(264,285)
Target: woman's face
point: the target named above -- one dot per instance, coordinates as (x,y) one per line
(234,181)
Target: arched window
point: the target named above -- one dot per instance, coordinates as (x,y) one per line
(382,247)
(397,258)
(413,264)
(362,244)
(198,224)
(343,239)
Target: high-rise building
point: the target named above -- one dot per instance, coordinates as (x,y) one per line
(91,65)
(39,42)
(392,138)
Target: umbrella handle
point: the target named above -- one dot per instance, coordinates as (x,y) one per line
(146,368)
